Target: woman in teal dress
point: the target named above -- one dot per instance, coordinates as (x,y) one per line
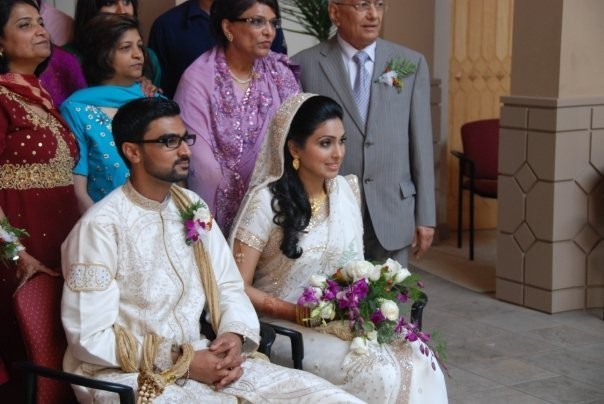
(113,62)
(87,10)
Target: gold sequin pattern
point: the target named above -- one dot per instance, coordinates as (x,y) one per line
(403,351)
(56,173)
(250,239)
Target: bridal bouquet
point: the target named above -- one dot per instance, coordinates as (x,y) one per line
(369,300)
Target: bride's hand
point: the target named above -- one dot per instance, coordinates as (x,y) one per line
(28,266)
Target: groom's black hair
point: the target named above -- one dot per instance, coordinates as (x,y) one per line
(132,120)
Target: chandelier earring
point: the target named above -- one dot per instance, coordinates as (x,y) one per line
(296,163)
(229,36)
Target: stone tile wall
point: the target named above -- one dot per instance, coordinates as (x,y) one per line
(550,249)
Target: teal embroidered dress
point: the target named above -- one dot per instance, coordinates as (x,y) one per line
(99,158)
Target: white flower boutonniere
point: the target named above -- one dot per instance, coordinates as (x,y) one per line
(197,220)
(395,71)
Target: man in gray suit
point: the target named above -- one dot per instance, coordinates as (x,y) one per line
(389,132)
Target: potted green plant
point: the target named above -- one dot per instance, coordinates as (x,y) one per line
(311,15)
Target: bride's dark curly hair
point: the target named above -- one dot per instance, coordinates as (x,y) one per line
(290,200)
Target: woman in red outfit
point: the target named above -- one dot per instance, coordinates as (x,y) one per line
(37,155)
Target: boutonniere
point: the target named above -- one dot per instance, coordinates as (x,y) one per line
(395,71)
(197,220)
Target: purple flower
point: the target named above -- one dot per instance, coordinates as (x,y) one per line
(331,290)
(411,336)
(377,317)
(352,295)
(192,233)
(308,296)
(402,297)
(424,336)
(400,325)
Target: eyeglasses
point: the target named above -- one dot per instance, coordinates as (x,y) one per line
(259,22)
(171,140)
(363,6)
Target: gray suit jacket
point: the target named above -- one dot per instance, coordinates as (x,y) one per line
(392,155)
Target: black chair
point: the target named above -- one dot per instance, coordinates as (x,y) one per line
(37,307)
(477,168)
(417,310)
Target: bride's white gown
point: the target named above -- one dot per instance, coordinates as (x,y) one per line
(396,373)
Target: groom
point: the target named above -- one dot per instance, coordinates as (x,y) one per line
(136,283)
(388,127)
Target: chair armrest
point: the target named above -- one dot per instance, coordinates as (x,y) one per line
(458,154)
(417,310)
(463,162)
(297,343)
(31,370)
(267,338)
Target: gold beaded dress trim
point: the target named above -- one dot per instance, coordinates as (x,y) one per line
(56,172)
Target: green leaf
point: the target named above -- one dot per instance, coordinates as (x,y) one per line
(312,15)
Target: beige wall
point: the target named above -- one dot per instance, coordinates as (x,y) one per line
(582,53)
(536,61)
(411,23)
(557,57)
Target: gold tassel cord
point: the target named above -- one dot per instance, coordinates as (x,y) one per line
(208,279)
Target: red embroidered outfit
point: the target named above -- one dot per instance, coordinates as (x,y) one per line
(37,155)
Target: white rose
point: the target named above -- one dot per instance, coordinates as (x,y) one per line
(389,309)
(318,292)
(328,310)
(202,214)
(395,271)
(375,274)
(402,275)
(318,281)
(6,236)
(392,265)
(372,336)
(358,269)
(359,346)
(388,77)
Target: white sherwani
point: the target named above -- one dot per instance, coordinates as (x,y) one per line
(126,263)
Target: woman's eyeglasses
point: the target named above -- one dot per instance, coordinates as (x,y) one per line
(259,22)
(363,6)
(171,140)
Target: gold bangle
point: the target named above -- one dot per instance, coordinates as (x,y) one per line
(303,316)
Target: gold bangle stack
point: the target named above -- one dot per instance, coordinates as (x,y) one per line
(303,317)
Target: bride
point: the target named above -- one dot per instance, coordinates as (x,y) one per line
(300,218)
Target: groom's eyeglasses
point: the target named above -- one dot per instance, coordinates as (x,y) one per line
(171,140)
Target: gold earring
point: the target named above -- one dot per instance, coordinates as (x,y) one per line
(1,53)
(229,36)
(296,163)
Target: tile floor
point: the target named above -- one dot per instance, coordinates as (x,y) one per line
(502,353)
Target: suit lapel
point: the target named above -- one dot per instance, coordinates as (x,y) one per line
(382,56)
(337,75)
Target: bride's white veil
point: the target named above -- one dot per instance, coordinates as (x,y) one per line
(269,164)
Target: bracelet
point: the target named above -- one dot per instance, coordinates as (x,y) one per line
(303,316)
